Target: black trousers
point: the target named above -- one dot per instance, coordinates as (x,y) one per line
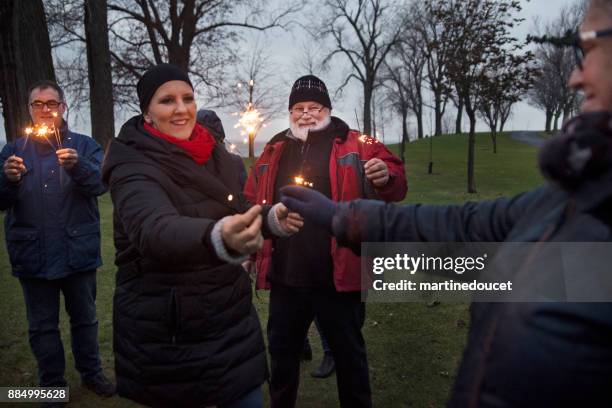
(341,316)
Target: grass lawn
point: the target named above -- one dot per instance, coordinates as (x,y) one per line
(413,349)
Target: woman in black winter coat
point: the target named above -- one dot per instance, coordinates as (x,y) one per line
(185,330)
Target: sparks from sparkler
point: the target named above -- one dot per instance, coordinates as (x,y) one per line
(367,140)
(250,121)
(299,180)
(40,131)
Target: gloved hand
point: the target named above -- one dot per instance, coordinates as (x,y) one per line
(310,204)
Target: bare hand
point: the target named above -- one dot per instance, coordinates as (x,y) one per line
(290,222)
(242,232)
(377,172)
(14,168)
(67,158)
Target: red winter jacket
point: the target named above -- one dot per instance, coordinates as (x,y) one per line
(348,182)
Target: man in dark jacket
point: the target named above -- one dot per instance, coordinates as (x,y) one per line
(523,354)
(308,275)
(48,187)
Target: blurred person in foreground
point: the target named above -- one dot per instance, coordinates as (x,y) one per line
(522,354)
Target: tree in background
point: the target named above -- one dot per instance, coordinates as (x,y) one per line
(79,38)
(435,39)
(480,46)
(403,78)
(364,33)
(503,86)
(199,36)
(555,64)
(405,71)
(25,57)
(99,72)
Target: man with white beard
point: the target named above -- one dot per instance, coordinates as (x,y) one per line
(308,274)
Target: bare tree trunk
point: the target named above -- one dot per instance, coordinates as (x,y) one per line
(367,105)
(502,124)
(471,183)
(404,137)
(494,139)
(556,120)
(458,119)
(567,113)
(99,71)
(438,114)
(549,116)
(25,57)
(419,118)
(373,111)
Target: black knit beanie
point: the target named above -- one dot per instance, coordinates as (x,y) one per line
(156,77)
(309,88)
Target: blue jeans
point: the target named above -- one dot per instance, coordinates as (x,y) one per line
(252,399)
(42,298)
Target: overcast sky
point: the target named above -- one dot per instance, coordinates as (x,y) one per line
(284,50)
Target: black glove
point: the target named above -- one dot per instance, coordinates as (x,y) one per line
(310,204)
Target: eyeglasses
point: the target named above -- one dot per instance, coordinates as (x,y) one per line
(586,36)
(51,104)
(301,112)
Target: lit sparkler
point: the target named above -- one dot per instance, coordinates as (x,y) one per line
(43,131)
(250,121)
(40,131)
(367,140)
(58,138)
(299,180)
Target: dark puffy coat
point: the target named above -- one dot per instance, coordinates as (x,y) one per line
(52,223)
(518,354)
(185,330)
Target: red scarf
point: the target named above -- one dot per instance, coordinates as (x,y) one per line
(199,146)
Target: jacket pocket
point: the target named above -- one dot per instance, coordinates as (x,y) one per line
(83,245)
(23,246)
